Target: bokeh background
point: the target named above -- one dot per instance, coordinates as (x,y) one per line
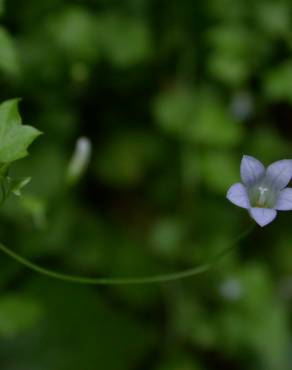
(171,95)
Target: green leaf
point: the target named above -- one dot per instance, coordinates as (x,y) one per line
(14,137)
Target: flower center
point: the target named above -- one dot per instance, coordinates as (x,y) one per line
(262,196)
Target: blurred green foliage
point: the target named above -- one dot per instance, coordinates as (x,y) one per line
(171,94)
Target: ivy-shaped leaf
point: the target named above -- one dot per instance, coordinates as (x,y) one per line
(14,137)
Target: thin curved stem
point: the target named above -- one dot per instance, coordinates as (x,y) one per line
(118,281)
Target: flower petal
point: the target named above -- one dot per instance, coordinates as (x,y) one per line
(284,202)
(237,195)
(263,216)
(251,170)
(279,173)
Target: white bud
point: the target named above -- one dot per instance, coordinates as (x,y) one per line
(80,160)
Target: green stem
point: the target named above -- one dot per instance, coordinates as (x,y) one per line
(118,281)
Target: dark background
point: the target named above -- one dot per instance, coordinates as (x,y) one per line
(171,95)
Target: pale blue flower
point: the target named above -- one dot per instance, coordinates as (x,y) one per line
(263,192)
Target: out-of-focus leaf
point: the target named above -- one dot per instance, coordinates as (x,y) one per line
(179,361)
(212,123)
(225,10)
(215,163)
(18,314)
(74,29)
(274,17)
(173,110)
(72,314)
(2,7)
(267,144)
(126,41)
(36,208)
(256,318)
(232,56)
(200,118)
(278,82)
(228,68)
(9,59)
(126,157)
(167,237)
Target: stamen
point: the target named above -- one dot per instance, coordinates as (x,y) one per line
(262,198)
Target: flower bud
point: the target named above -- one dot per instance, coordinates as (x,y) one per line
(80,160)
